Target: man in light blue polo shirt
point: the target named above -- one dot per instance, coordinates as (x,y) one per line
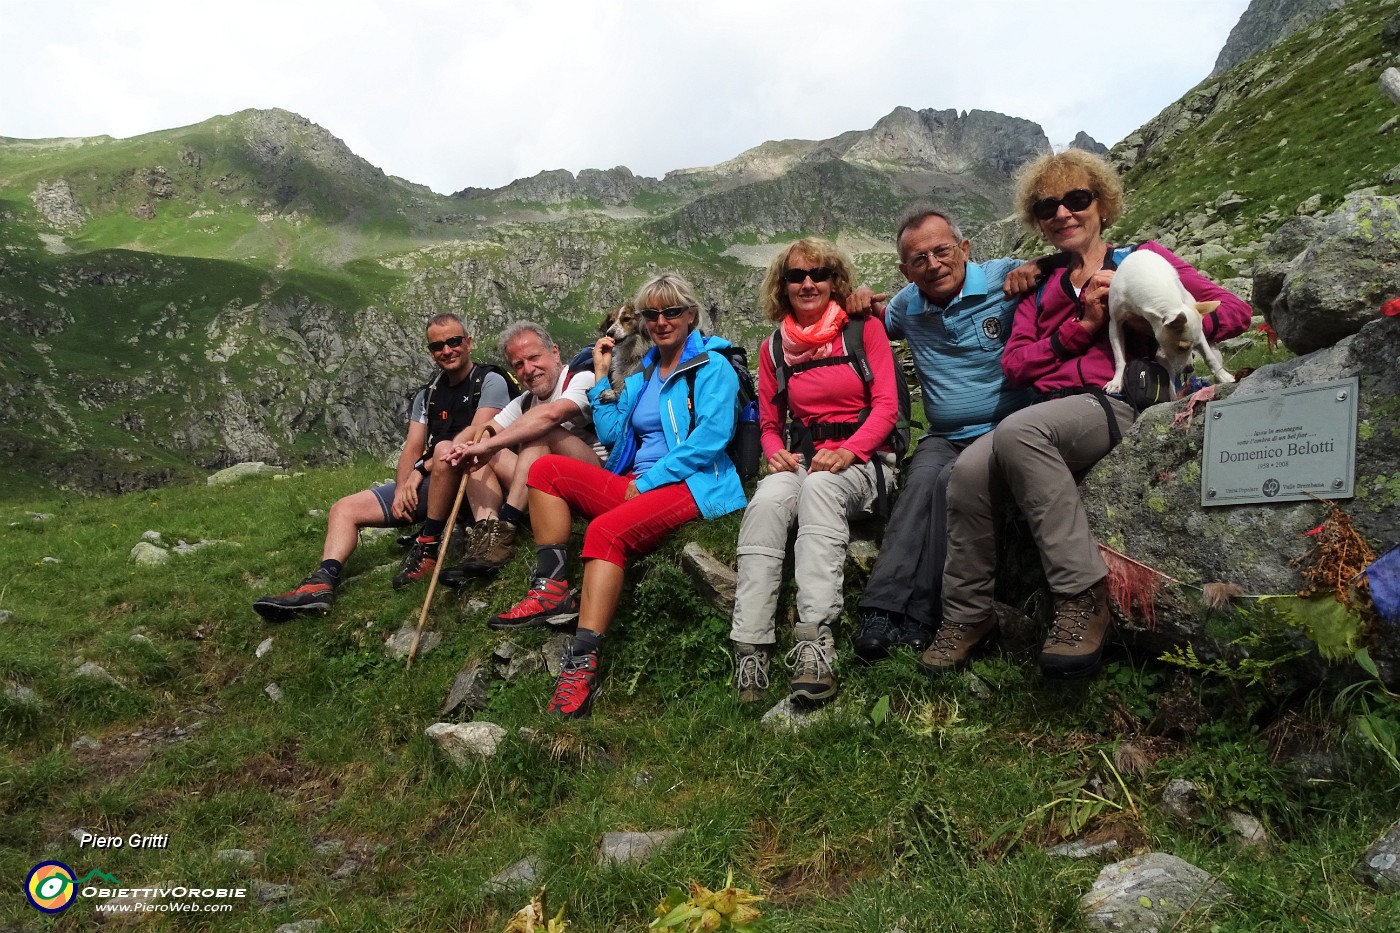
(956,316)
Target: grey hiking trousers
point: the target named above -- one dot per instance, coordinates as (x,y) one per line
(1036,457)
(823,505)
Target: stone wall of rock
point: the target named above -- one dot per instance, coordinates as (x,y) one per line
(1143,499)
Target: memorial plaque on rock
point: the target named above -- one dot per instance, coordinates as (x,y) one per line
(1281,446)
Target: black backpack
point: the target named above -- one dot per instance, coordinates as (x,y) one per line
(802,436)
(473,387)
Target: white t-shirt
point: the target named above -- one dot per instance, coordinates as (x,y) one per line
(572,387)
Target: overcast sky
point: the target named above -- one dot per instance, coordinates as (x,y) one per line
(454,93)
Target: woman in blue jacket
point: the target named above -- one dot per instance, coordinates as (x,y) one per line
(667,431)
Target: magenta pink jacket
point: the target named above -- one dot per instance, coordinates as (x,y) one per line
(834,393)
(1049,351)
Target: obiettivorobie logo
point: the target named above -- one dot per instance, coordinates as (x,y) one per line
(51,887)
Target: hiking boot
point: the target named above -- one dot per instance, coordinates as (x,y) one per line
(813,665)
(1081,625)
(576,686)
(549,602)
(878,630)
(751,671)
(419,563)
(316,594)
(468,537)
(491,548)
(955,643)
(912,634)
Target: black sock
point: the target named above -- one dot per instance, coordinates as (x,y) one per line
(550,560)
(586,641)
(432,529)
(510,513)
(332,567)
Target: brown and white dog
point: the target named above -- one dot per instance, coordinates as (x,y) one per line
(1145,284)
(630,343)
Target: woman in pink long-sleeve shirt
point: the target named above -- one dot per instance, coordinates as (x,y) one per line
(826,439)
(1059,346)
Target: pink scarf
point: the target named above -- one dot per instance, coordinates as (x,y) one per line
(801,344)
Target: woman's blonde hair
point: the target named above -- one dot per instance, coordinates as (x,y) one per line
(669,290)
(772,294)
(1056,173)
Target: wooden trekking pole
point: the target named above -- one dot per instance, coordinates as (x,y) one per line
(437,568)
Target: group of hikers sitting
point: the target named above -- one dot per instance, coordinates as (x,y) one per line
(1011,359)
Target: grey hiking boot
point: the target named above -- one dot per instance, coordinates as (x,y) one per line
(813,664)
(1082,622)
(955,643)
(751,671)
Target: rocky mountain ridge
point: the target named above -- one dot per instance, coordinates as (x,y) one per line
(252,269)
(1266,23)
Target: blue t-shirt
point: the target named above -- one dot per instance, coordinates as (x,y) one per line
(957,351)
(646,422)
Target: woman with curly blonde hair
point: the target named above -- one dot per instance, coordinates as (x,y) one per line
(826,438)
(1059,348)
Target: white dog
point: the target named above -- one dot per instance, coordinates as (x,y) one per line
(1145,284)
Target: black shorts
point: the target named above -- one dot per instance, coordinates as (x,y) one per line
(385,495)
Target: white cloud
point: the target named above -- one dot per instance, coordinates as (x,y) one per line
(452,94)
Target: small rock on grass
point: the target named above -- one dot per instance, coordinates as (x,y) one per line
(85,743)
(398,644)
(237,856)
(633,847)
(467,741)
(1249,829)
(265,892)
(553,652)
(1179,800)
(148,554)
(94,671)
(264,647)
(6,615)
(522,874)
(273,691)
(301,926)
(469,689)
(787,716)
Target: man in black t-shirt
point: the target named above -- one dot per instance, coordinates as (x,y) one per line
(453,401)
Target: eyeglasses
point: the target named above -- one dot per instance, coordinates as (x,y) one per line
(653,314)
(1076,200)
(437,346)
(939,254)
(796,276)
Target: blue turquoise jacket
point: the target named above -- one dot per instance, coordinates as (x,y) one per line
(697,456)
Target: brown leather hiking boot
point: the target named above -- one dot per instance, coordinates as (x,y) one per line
(1082,622)
(491,547)
(955,643)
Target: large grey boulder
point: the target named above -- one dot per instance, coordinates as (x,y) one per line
(1143,500)
(1148,894)
(1351,267)
(1380,865)
(1280,253)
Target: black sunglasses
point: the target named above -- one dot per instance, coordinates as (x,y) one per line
(796,276)
(652,314)
(436,346)
(1076,200)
